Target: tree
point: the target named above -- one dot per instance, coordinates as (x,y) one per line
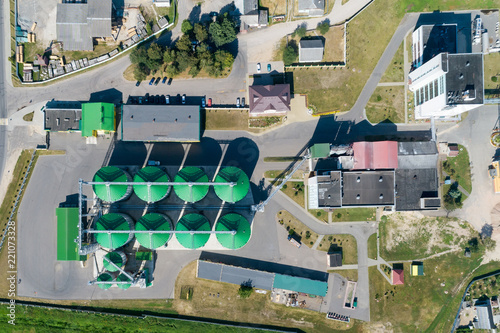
(184,43)
(186,27)
(139,55)
(200,32)
(222,33)
(289,55)
(454,193)
(155,52)
(323,27)
(141,71)
(225,58)
(300,31)
(245,290)
(172,70)
(169,56)
(148,28)
(194,71)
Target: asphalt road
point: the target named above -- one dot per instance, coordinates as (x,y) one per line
(4,73)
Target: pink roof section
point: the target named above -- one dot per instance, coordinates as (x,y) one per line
(398,276)
(375,155)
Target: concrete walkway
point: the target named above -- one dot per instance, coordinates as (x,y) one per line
(463,190)
(390,84)
(320,238)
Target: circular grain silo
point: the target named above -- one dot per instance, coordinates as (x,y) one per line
(192,222)
(230,193)
(151,193)
(111,222)
(236,223)
(109,192)
(117,257)
(123,278)
(105,277)
(153,222)
(190,192)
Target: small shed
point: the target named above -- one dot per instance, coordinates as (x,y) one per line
(452,150)
(334,259)
(398,276)
(417,269)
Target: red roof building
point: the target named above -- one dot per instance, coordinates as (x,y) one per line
(375,155)
(398,276)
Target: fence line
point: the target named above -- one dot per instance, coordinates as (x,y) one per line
(16,203)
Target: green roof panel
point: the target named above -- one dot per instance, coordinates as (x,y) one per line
(97,117)
(152,222)
(232,193)
(112,192)
(233,222)
(191,193)
(192,222)
(67,232)
(112,221)
(320,150)
(301,285)
(151,193)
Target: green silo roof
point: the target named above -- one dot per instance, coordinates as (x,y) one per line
(112,221)
(105,277)
(232,193)
(233,222)
(152,221)
(112,192)
(191,193)
(193,222)
(155,192)
(116,258)
(123,278)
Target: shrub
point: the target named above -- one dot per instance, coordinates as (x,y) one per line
(290,55)
(494,79)
(245,291)
(323,27)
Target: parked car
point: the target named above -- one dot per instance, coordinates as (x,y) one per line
(243,102)
(258,67)
(146,99)
(157,81)
(152,81)
(153,163)
(157,99)
(138,83)
(203,102)
(268,67)
(184,99)
(164,80)
(179,98)
(209,103)
(163,100)
(167,99)
(169,81)
(140,100)
(238,102)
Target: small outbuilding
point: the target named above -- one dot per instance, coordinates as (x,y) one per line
(398,276)
(334,259)
(311,50)
(417,269)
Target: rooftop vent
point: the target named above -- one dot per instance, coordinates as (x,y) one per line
(358,197)
(381,196)
(381,179)
(461,76)
(467,63)
(358,179)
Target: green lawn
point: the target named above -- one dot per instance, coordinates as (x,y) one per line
(353,214)
(291,223)
(346,242)
(273,174)
(421,301)
(349,274)
(459,168)
(395,71)
(295,190)
(492,74)
(372,247)
(386,105)
(320,214)
(226,120)
(368,35)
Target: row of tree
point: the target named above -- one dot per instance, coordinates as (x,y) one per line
(199,48)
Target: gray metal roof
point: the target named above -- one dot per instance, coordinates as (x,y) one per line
(329,190)
(161,123)
(368,188)
(484,315)
(414,184)
(417,155)
(57,120)
(246,7)
(311,50)
(465,73)
(235,275)
(314,7)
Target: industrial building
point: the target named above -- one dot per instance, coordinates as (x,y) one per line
(160,123)
(133,215)
(396,175)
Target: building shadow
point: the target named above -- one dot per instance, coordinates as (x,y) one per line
(167,153)
(206,152)
(107,96)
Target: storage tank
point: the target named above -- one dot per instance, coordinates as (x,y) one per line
(123,278)
(117,257)
(233,222)
(151,193)
(191,193)
(105,277)
(153,222)
(110,222)
(109,192)
(192,222)
(230,193)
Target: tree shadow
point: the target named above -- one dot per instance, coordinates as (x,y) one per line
(194,16)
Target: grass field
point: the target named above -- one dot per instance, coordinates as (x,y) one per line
(459,168)
(492,74)
(334,44)
(275,7)
(99,49)
(353,214)
(226,120)
(320,214)
(368,35)
(256,309)
(273,174)
(395,71)
(349,274)
(295,190)
(372,246)
(291,223)
(346,242)
(386,105)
